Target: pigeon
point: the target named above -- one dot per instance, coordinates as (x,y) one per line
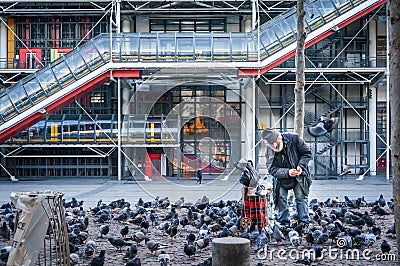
(318,251)
(310,238)
(84,224)
(392,229)
(179,203)
(380,211)
(294,238)
(189,250)
(369,221)
(152,245)
(184,221)
(385,246)
(164,258)
(277,234)
(262,240)
(323,126)
(135,262)
(131,252)
(139,236)
(117,242)
(4,254)
(381,201)
(224,233)
(255,233)
(153,218)
(98,261)
(81,213)
(346,170)
(73,248)
(74,258)
(349,203)
(191,238)
(306,260)
(5,232)
(172,231)
(164,203)
(122,217)
(140,202)
(369,238)
(345,241)
(154,203)
(104,229)
(376,230)
(124,231)
(90,248)
(202,243)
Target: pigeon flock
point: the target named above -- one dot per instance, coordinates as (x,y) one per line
(166,232)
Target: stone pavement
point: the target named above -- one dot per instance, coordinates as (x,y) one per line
(91,190)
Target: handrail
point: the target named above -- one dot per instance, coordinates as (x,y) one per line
(75,129)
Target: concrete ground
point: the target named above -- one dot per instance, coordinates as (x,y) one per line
(91,190)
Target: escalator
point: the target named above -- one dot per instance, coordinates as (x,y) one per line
(124,56)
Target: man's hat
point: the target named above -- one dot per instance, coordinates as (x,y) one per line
(270,135)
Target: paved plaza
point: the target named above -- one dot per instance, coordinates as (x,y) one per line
(91,190)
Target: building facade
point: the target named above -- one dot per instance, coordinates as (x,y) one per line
(139,89)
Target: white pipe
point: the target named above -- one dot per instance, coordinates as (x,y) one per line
(387,102)
(3,44)
(372,42)
(372,131)
(253,14)
(118,16)
(118,21)
(119,131)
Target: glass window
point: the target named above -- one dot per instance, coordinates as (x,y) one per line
(221,48)
(313,17)
(91,56)
(166,48)
(103,46)
(184,48)
(6,109)
(47,80)
(239,47)
(76,63)
(61,71)
(203,47)
(188,25)
(34,90)
(130,48)
(148,47)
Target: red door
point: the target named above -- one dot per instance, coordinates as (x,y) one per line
(153,165)
(30,58)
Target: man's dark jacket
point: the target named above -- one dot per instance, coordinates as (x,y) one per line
(299,154)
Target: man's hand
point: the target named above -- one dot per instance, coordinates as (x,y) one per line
(299,171)
(295,172)
(292,172)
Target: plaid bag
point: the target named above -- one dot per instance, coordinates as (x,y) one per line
(255,208)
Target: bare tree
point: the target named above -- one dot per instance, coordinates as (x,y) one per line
(300,65)
(394,70)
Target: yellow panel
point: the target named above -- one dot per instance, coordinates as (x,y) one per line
(10,38)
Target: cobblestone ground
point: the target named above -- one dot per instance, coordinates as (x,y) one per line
(283,254)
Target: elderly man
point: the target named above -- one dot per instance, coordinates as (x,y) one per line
(289,167)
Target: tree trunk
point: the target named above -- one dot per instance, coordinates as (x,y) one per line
(394,85)
(300,65)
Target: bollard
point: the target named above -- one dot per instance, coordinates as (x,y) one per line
(230,251)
